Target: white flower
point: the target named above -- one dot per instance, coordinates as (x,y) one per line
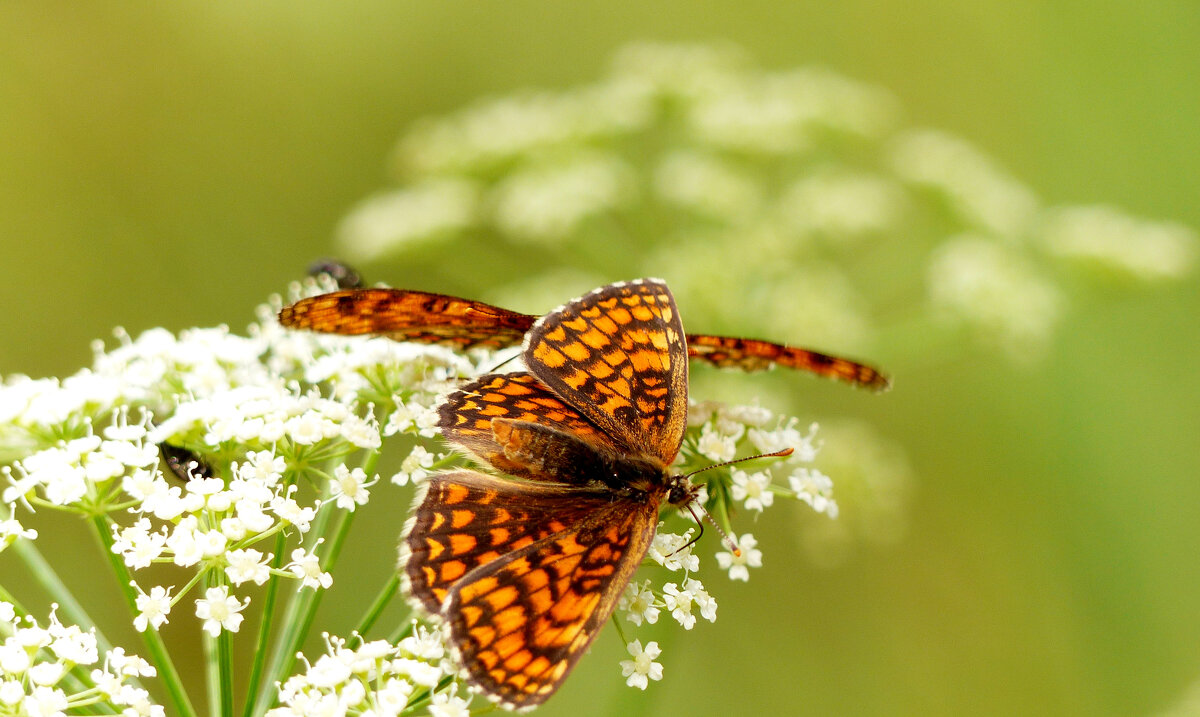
(667,549)
(445,704)
(738,565)
(679,602)
(307,567)
(995,290)
(421,673)
(71,643)
(544,204)
(153,608)
(45,702)
(980,192)
(707,603)
(11,692)
(815,488)
(247,565)
(292,512)
(11,529)
(1108,237)
(785,436)
(423,212)
(262,466)
(424,644)
(220,611)
(638,602)
(715,445)
(350,487)
(415,466)
(642,668)
(45,673)
(754,488)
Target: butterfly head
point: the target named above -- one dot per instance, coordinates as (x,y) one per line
(681,491)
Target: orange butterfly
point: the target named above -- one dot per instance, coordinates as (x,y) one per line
(524,572)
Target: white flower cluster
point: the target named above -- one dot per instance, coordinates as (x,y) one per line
(718,433)
(55,669)
(375,679)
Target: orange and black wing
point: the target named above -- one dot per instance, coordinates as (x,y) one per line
(618,356)
(515,423)
(423,317)
(525,575)
(755,355)
(409,316)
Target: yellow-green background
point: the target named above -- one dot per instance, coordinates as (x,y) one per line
(171,164)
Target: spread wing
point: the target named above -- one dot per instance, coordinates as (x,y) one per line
(524,574)
(755,355)
(618,355)
(408,316)
(515,423)
(422,317)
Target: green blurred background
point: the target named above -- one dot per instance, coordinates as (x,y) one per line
(171,164)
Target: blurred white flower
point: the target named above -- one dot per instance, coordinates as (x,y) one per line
(981,193)
(542,204)
(1105,236)
(424,212)
(995,291)
(642,668)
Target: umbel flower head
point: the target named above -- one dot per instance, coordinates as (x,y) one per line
(274,438)
(805,188)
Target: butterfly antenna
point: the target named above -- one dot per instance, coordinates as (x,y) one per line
(776,454)
(733,546)
(507,360)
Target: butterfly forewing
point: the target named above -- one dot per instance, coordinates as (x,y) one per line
(618,356)
(409,316)
(755,355)
(422,317)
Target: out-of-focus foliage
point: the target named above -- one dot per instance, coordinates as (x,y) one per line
(1034,548)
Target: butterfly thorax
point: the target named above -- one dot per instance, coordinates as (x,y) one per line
(542,452)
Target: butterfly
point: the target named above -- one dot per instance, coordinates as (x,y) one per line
(423,317)
(525,572)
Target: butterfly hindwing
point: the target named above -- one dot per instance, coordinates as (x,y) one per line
(485,417)
(618,355)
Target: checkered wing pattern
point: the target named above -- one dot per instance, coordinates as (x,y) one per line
(409,316)
(433,318)
(524,574)
(619,356)
(755,355)
(515,423)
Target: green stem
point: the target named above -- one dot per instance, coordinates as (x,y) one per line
(290,624)
(225,672)
(153,641)
(46,577)
(302,610)
(265,623)
(212,681)
(381,601)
